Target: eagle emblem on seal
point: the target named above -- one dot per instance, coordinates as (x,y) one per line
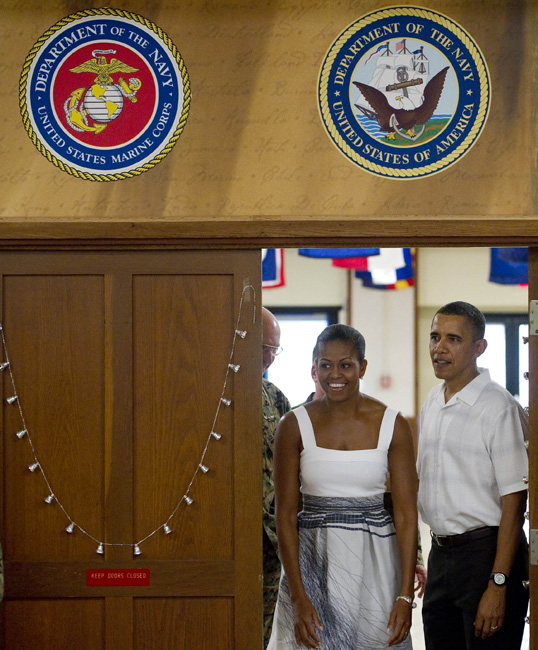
(92,109)
(403,120)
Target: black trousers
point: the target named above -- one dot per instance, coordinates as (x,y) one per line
(457,578)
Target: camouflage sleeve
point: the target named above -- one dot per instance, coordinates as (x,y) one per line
(286,404)
(274,405)
(280,402)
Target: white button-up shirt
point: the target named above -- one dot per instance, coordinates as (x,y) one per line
(471,452)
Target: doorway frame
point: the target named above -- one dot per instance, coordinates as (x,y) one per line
(281,232)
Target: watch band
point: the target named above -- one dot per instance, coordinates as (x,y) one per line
(498,578)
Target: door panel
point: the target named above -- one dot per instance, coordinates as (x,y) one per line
(119,362)
(188,350)
(61,624)
(187,621)
(53,327)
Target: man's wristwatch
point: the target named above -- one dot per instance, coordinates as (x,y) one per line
(498,578)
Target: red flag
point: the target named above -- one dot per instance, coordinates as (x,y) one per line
(355,263)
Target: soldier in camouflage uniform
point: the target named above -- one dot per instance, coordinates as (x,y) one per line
(274,406)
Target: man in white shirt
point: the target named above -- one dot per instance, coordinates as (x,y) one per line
(473,467)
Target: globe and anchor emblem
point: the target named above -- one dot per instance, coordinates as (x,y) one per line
(103,102)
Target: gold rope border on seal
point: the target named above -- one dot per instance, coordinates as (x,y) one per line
(24,109)
(483,107)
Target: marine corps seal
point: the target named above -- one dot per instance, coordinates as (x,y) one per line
(104,94)
(404,92)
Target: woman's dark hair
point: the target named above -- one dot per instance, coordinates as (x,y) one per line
(341,332)
(474,316)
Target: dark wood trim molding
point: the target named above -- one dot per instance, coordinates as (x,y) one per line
(271,231)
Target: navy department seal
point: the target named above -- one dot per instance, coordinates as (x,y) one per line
(404,92)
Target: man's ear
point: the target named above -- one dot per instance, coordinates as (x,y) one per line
(481,346)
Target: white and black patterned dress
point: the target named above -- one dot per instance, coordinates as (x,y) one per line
(347,545)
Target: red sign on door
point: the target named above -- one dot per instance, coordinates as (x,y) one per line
(117,577)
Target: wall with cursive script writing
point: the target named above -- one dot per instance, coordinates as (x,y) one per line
(254,162)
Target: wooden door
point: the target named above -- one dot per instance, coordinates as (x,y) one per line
(119,361)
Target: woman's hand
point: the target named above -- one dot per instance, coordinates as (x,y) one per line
(306,624)
(399,622)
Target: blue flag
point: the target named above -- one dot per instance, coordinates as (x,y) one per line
(504,271)
(338,253)
(518,254)
(272,267)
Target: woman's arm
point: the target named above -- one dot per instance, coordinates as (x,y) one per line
(286,477)
(404,485)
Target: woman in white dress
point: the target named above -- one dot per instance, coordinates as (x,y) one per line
(348,566)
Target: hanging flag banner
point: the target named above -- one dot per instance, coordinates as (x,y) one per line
(272,268)
(354,263)
(387,260)
(509,266)
(338,253)
(389,267)
(404,92)
(104,94)
(515,255)
(399,284)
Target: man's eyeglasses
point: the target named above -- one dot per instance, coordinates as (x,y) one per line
(275,349)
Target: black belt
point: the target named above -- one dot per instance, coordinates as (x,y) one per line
(464,538)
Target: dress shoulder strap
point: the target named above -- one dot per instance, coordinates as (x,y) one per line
(387,428)
(305,427)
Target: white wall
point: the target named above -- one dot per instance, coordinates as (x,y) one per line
(386,320)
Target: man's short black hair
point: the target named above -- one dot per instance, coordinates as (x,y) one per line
(474,316)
